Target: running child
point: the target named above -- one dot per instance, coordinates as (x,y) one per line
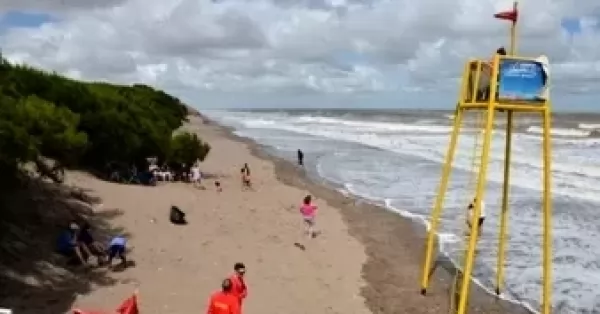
(309,211)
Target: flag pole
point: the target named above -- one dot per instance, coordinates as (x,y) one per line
(513,33)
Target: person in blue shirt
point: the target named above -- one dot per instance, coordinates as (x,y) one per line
(68,246)
(117,248)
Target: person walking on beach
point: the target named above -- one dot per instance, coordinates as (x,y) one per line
(239,288)
(245,173)
(471,212)
(309,212)
(224,301)
(300,158)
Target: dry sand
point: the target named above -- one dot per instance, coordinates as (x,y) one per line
(177,267)
(367,260)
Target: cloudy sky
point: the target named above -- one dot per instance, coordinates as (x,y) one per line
(301,53)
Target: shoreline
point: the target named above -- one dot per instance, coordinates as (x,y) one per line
(379,229)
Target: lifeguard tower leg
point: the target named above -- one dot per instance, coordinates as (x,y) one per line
(481,184)
(547,208)
(439,201)
(504,213)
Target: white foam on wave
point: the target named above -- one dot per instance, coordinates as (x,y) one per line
(588,126)
(449,238)
(374,126)
(560,131)
(435,151)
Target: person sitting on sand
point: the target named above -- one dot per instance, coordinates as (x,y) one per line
(68,245)
(309,211)
(89,245)
(471,212)
(224,301)
(116,248)
(218,186)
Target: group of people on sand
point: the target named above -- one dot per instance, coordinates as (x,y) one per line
(229,299)
(77,244)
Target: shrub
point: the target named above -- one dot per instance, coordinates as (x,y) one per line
(186,148)
(87,124)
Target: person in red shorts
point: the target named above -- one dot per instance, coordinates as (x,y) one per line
(224,301)
(240,290)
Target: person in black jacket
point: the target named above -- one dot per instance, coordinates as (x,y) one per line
(300,158)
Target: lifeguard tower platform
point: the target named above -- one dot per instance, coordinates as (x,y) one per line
(511,84)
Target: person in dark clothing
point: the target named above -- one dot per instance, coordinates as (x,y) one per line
(300,158)
(89,244)
(69,246)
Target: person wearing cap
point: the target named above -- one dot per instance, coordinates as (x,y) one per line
(224,301)
(239,290)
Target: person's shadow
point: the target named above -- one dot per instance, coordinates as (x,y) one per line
(300,246)
(122,267)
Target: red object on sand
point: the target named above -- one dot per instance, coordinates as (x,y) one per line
(129,306)
(508,15)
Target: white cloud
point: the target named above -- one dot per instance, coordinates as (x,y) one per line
(295,47)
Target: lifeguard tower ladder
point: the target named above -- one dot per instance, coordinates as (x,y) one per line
(510,86)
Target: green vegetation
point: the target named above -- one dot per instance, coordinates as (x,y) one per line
(186,148)
(87,124)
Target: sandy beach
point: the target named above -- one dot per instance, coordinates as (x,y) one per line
(367,259)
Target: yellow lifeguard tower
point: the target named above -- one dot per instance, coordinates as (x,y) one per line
(513,85)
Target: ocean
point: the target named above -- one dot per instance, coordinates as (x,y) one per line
(394,158)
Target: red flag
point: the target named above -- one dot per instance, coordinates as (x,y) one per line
(129,306)
(508,15)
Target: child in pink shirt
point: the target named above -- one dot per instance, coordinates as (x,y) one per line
(309,211)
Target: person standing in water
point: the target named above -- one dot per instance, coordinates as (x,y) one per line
(309,212)
(300,158)
(471,212)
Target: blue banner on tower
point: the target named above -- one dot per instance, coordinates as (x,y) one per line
(521,80)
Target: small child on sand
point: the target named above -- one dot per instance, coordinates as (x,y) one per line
(117,248)
(309,211)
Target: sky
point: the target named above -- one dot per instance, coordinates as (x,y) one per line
(302,53)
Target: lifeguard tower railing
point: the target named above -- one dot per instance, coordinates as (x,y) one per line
(514,84)
(507,84)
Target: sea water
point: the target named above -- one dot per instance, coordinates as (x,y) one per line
(394,157)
